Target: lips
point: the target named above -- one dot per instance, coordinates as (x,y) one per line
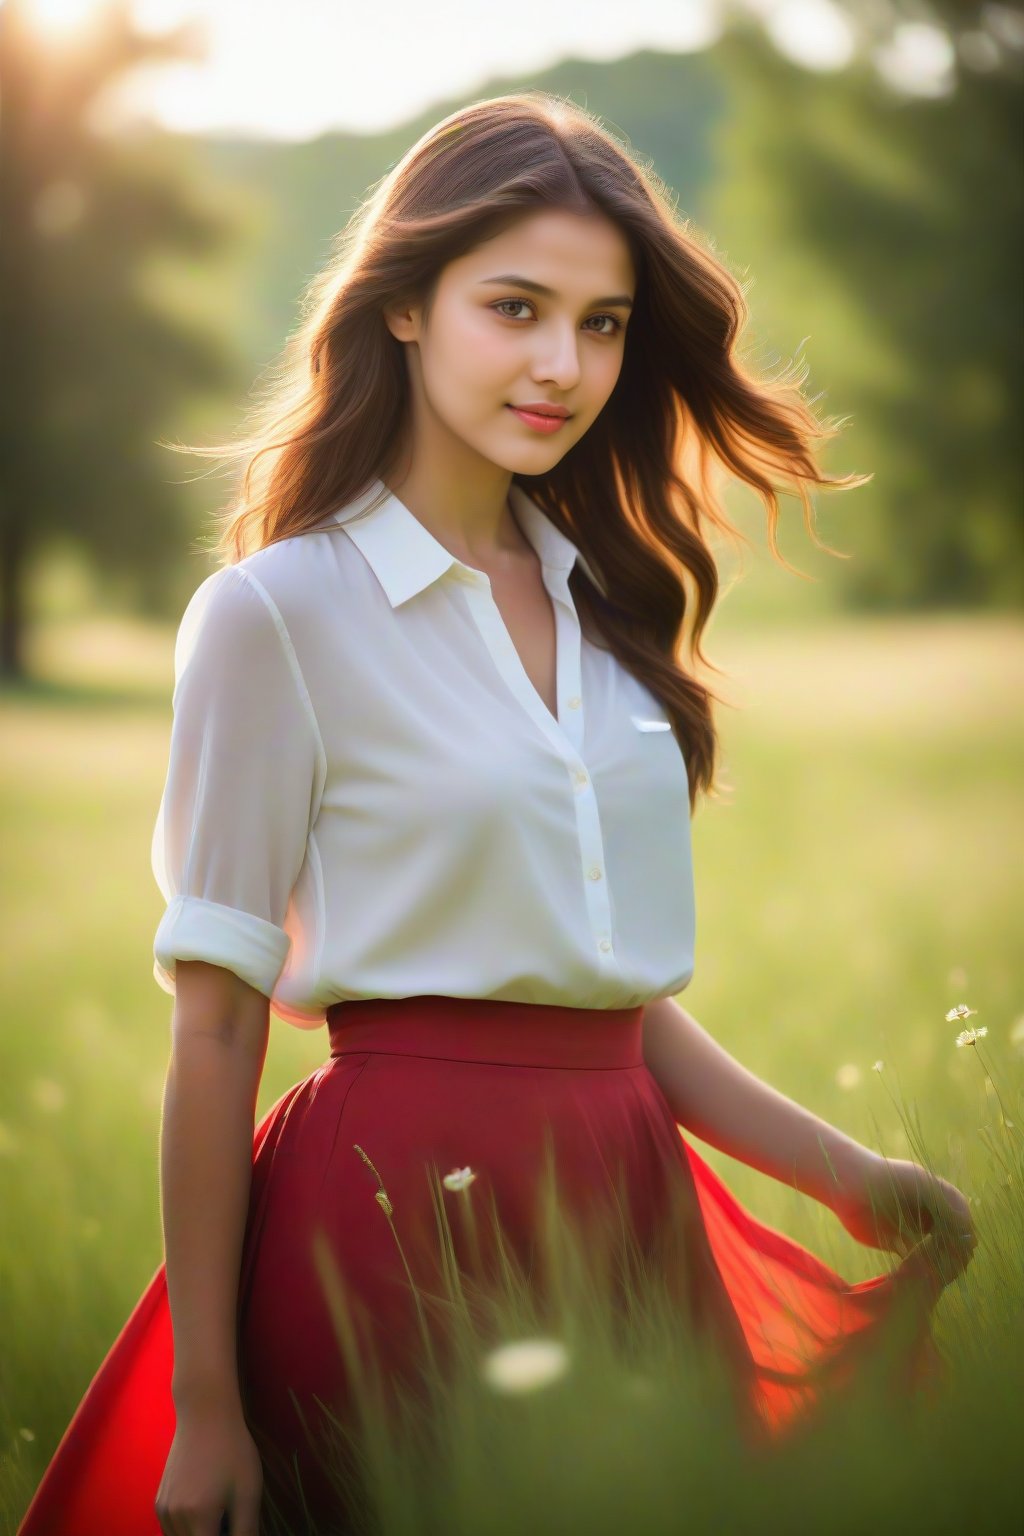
(545,420)
(540,409)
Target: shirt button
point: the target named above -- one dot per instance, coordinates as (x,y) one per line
(606,944)
(579,776)
(595,872)
(575,701)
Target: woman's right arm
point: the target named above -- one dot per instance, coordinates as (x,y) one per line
(245,763)
(220,1032)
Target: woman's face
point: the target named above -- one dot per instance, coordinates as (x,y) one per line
(493,340)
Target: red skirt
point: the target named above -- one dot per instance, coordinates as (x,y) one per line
(441,1083)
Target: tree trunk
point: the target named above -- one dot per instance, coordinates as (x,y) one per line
(20,394)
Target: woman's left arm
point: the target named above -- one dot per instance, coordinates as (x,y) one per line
(884,1203)
(711,1094)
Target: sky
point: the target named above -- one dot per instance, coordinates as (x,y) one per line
(292,69)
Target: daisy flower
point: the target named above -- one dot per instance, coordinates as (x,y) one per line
(525,1365)
(459,1178)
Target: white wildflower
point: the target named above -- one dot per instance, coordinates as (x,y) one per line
(969,1036)
(961,1011)
(459,1178)
(525,1365)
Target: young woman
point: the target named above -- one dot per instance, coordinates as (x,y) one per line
(432,767)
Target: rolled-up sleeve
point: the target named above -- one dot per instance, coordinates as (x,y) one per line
(235,813)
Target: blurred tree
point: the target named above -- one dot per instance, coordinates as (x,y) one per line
(91,364)
(889,228)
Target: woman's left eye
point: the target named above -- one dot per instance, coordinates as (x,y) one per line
(525,304)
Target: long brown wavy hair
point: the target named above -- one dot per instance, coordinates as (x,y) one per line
(633,492)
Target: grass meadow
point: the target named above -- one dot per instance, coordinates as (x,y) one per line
(860,876)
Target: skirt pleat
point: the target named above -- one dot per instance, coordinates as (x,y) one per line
(421,1086)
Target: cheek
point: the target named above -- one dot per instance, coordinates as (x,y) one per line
(469,367)
(482,346)
(605,376)
(611,367)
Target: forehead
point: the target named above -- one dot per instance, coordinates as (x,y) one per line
(571,252)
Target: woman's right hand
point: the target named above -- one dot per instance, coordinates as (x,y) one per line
(213,1467)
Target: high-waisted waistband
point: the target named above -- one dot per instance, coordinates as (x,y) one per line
(487,1030)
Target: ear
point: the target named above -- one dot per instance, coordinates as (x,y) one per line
(402,321)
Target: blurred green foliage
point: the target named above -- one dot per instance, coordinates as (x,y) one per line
(889,232)
(152,279)
(94,359)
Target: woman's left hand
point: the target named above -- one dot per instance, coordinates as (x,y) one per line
(900,1206)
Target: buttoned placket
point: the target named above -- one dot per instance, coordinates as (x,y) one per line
(566,734)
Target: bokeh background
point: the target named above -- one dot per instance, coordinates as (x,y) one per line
(172,175)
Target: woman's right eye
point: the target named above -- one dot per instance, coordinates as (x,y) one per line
(514,302)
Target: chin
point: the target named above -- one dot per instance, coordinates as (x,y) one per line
(520,459)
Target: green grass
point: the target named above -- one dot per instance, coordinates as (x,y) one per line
(863,877)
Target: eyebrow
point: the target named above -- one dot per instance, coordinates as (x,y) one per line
(616,300)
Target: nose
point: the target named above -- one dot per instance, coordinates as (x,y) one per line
(558,358)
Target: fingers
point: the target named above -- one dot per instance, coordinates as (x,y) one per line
(953,1218)
(939,1260)
(954,1255)
(202,1522)
(916,1270)
(245,1517)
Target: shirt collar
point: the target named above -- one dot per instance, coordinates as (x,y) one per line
(406,558)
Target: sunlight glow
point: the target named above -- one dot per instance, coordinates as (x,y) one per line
(918,61)
(263,69)
(162,15)
(60,15)
(814,33)
(292,72)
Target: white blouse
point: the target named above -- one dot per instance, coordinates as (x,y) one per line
(367,797)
